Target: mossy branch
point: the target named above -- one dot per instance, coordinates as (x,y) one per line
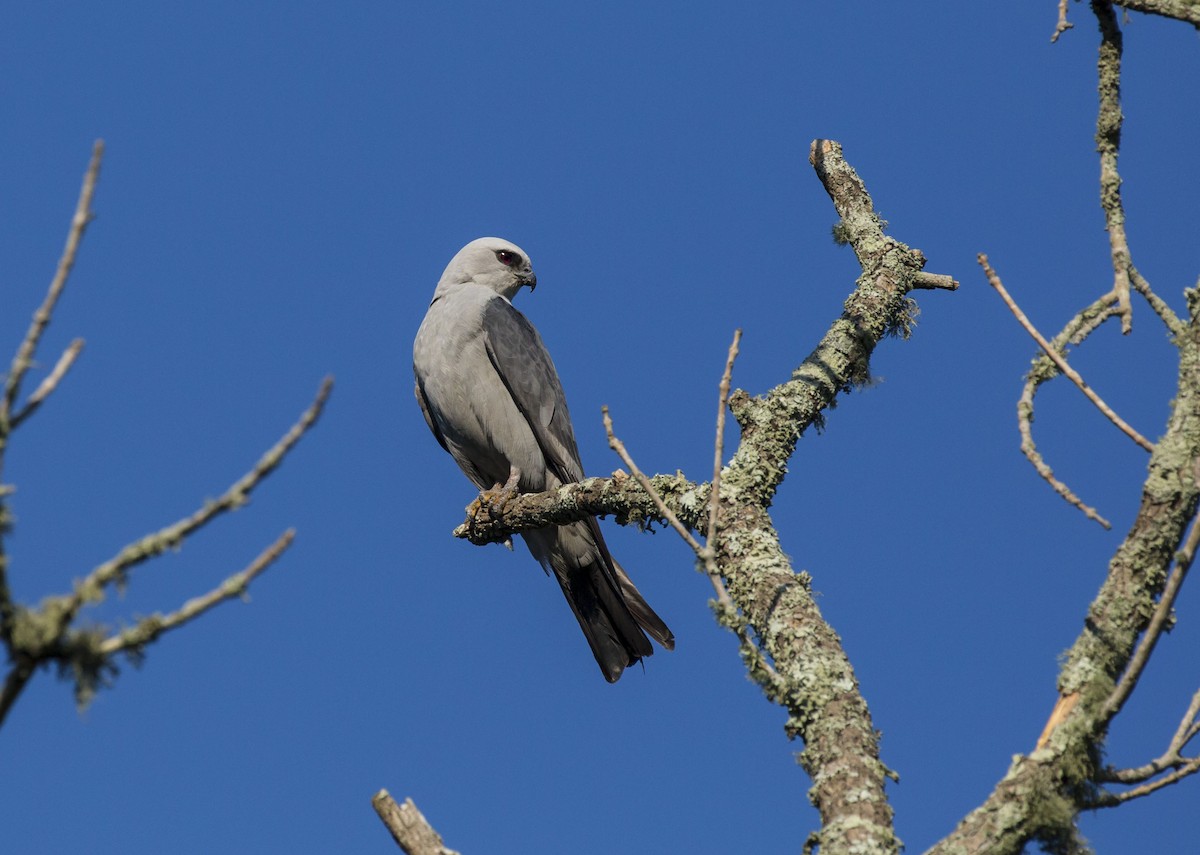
(37,637)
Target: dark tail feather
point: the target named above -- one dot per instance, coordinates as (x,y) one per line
(608,625)
(610,610)
(632,597)
(641,611)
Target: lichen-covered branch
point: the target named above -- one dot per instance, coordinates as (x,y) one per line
(46,634)
(1108,143)
(800,661)
(1042,793)
(620,496)
(1165,313)
(148,629)
(10,414)
(1182,10)
(816,682)
(115,571)
(36,637)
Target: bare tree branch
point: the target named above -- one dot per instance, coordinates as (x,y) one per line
(36,637)
(1108,799)
(21,363)
(667,514)
(1069,372)
(41,318)
(1043,370)
(47,386)
(714,497)
(115,570)
(1165,313)
(148,629)
(408,826)
(1063,24)
(1172,758)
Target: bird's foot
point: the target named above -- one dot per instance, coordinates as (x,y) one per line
(492,503)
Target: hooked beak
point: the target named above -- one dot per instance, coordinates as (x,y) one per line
(530,280)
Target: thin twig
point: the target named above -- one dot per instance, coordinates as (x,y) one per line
(1172,758)
(667,514)
(1071,374)
(47,386)
(22,669)
(25,351)
(1063,24)
(714,495)
(150,628)
(1077,330)
(1188,725)
(115,569)
(1029,449)
(1160,307)
(727,611)
(1106,799)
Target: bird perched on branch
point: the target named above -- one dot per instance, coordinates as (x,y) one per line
(489,392)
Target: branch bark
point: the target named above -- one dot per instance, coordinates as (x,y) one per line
(1181,10)
(408,826)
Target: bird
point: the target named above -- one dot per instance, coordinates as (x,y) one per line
(490,394)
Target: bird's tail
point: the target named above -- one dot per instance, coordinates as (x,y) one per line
(612,613)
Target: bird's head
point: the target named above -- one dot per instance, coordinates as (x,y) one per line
(494,263)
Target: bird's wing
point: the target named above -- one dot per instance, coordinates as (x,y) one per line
(423,403)
(524,366)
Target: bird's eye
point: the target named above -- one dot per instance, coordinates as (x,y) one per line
(508,258)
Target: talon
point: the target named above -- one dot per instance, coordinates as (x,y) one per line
(497,499)
(492,503)
(500,495)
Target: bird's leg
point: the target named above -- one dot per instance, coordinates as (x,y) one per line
(514,477)
(500,495)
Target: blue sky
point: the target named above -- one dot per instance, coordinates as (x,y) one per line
(281,191)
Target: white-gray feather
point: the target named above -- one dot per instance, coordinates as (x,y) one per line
(489,392)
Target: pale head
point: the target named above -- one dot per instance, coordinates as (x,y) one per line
(493,263)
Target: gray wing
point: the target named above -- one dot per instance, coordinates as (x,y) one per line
(524,366)
(423,403)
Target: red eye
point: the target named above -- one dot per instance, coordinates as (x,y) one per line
(507,258)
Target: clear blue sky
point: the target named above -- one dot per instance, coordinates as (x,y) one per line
(283,187)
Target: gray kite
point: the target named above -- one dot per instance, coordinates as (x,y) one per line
(490,394)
